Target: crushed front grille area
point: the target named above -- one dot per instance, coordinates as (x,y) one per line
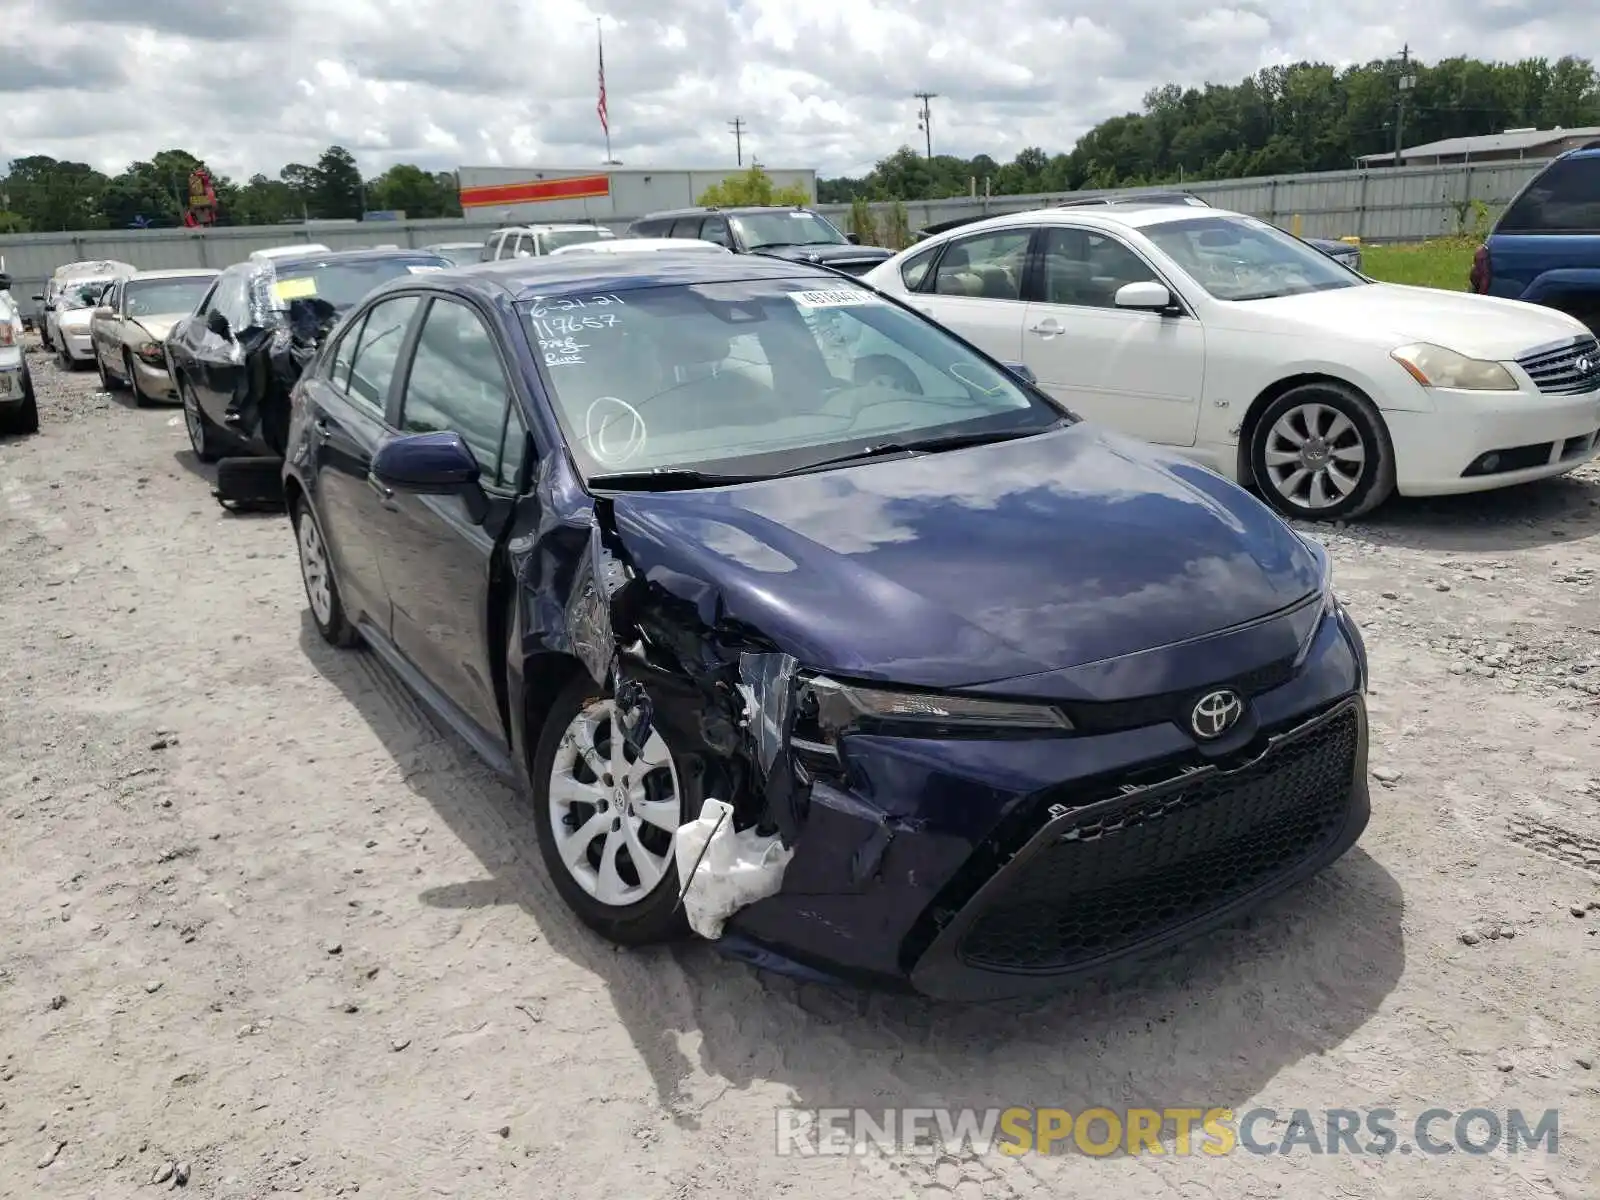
(1127,870)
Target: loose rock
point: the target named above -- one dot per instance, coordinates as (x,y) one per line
(163,1172)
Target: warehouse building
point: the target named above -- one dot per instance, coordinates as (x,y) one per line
(1509,146)
(521,195)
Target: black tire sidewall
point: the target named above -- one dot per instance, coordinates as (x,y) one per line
(656,918)
(1375,471)
(337,631)
(206,451)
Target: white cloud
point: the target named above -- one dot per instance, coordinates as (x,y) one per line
(250,86)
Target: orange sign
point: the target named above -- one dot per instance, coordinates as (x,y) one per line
(533,191)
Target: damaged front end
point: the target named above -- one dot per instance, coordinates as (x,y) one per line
(285,333)
(735,693)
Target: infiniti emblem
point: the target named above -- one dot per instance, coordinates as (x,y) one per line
(1583,365)
(1215,713)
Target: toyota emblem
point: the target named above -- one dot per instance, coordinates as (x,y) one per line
(1215,713)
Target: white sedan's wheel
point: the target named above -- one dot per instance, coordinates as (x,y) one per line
(1314,455)
(1320,452)
(613,814)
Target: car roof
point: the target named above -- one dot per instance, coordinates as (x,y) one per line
(560,274)
(701,210)
(335,257)
(453,245)
(175,273)
(1110,216)
(643,245)
(550,227)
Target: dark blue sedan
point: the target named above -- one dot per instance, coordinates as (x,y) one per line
(810,627)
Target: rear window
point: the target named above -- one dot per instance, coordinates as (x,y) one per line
(1565,199)
(344,284)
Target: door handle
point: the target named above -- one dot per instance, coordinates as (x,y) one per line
(1048,327)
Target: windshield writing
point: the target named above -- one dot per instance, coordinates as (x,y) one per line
(758,377)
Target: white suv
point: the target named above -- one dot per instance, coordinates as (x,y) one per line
(534,241)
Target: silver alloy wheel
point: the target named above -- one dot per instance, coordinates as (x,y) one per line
(191,419)
(314,568)
(613,815)
(1315,455)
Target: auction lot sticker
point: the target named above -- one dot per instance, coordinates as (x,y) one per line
(834,298)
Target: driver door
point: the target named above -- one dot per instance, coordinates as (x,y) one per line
(1139,373)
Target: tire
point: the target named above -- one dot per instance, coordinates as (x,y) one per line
(1320,452)
(637,912)
(316,572)
(64,358)
(131,380)
(23,420)
(107,380)
(204,437)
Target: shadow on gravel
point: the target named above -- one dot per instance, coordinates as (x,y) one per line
(1208,1026)
(1548,512)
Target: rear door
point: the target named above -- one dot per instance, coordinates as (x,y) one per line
(1140,373)
(1546,248)
(435,558)
(975,289)
(347,411)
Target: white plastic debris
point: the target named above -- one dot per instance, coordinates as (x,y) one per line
(734,868)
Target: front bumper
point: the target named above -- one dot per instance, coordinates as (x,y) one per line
(78,344)
(980,868)
(1532,435)
(154,382)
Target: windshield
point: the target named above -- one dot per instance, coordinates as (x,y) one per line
(82,293)
(343,284)
(1241,258)
(457,255)
(785,227)
(556,238)
(761,377)
(164,297)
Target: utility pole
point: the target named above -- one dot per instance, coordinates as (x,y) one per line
(1406,83)
(738,127)
(925,121)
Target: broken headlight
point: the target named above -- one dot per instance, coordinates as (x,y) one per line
(152,353)
(832,708)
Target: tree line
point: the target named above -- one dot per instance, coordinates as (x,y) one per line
(39,193)
(1279,121)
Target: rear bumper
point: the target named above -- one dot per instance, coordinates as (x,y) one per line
(979,869)
(1534,435)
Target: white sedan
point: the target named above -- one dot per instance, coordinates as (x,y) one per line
(1229,340)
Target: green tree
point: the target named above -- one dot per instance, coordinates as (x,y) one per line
(862,223)
(339,190)
(419,194)
(755,186)
(48,194)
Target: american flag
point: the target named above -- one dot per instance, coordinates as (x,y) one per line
(600,107)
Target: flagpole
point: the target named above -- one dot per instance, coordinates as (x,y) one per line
(605,120)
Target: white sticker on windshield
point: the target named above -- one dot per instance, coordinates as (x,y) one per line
(834,298)
(423,268)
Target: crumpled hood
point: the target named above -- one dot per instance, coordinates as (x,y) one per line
(974,565)
(826,254)
(1477,326)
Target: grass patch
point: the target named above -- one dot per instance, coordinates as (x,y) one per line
(1441,263)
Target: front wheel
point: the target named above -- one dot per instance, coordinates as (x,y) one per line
(108,381)
(203,437)
(1320,452)
(607,816)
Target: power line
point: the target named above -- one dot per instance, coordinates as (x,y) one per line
(925,121)
(738,127)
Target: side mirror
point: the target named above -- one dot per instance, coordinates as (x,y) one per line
(431,464)
(1145,297)
(105,310)
(1023,372)
(217,323)
(853,238)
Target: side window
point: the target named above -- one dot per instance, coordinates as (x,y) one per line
(686,227)
(491,248)
(1565,199)
(231,299)
(372,365)
(987,265)
(716,230)
(513,448)
(914,271)
(456,382)
(343,352)
(1086,268)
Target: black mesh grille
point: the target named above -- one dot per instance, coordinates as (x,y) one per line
(1562,370)
(1131,868)
(1112,715)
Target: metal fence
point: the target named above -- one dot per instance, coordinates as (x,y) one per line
(1384,205)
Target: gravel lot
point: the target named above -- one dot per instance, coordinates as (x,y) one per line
(265,929)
